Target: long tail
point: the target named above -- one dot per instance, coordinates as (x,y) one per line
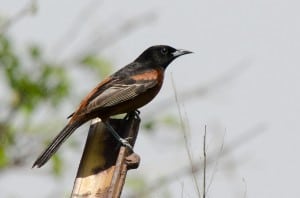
(56,143)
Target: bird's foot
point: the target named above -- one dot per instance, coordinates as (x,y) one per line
(124,142)
(133,114)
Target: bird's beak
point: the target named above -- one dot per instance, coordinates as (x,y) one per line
(180,52)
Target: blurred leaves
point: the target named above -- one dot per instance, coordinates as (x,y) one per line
(34,52)
(3,157)
(168,120)
(136,183)
(32,81)
(6,138)
(30,86)
(30,9)
(57,164)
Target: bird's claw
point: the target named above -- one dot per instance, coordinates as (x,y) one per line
(125,143)
(133,114)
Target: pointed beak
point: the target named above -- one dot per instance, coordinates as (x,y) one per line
(180,52)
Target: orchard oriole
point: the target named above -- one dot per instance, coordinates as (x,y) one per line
(125,91)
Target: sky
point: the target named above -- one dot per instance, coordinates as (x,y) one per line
(245,52)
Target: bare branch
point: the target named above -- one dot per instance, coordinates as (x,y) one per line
(204,163)
(216,163)
(245,191)
(28,9)
(246,137)
(75,28)
(101,42)
(182,187)
(186,143)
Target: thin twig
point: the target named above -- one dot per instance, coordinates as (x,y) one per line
(75,28)
(204,163)
(245,184)
(101,42)
(192,165)
(244,138)
(216,163)
(28,9)
(182,187)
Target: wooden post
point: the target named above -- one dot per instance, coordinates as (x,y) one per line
(104,164)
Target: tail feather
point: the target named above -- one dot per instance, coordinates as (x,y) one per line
(56,143)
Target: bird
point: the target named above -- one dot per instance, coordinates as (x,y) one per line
(126,90)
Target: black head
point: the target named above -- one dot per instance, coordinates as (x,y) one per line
(160,55)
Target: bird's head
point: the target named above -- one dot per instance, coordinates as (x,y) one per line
(160,55)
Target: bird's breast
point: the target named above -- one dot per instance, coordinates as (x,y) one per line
(154,74)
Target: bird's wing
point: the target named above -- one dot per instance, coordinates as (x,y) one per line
(119,93)
(94,93)
(113,92)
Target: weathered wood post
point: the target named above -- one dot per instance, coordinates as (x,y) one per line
(104,163)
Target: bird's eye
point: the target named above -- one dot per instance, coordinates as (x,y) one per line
(164,51)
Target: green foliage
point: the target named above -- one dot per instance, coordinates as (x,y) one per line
(3,157)
(31,81)
(34,52)
(149,125)
(167,120)
(32,85)
(57,164)
(6,138)
(136,183)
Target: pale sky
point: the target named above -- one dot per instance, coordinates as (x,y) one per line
(259,37)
